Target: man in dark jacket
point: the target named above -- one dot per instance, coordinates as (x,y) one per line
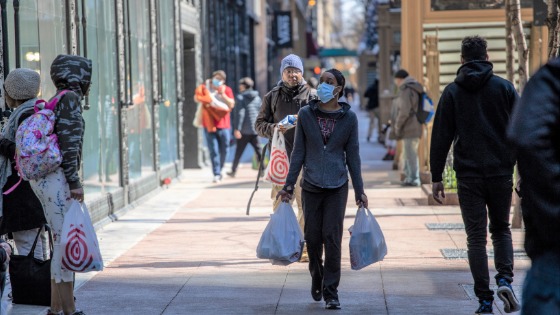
(535,131)
(372,94)
(291,94)
(246,111)
(406,127)
(473,114)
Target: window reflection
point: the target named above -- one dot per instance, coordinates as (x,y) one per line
(168,110)
(140,134)
(101,139)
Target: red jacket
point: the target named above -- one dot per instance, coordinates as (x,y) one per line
(212,117)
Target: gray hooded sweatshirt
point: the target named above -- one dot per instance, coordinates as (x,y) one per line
(326,165)
(69,72)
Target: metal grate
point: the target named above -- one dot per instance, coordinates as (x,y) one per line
(445,226)
(461,253)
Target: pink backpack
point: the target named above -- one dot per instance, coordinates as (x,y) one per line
(37,151)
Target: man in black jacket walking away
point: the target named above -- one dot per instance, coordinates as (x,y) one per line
(535,131)
(246,111)
(473,114)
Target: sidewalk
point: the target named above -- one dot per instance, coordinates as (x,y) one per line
(191,250)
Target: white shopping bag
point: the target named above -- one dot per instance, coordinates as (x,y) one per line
(367,243)
(282,239)
(78,242)
(278,166)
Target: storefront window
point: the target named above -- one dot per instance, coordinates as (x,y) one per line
(168,110)
(101,142)
(52,39)
(445,5)
(29,56)
(140,134)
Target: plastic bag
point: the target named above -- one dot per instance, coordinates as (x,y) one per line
(367,243)
(278,166)
(78,242)
(282,239)
(288,122)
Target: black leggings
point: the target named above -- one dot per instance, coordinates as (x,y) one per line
(324,218)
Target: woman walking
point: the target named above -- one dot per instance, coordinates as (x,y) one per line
(326,146)
(57,189)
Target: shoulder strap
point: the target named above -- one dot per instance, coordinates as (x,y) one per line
(52,103)
(275,94)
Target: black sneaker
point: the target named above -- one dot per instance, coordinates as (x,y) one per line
(505,293)
(317,289)
(332,304)
(484,308)
(231,174)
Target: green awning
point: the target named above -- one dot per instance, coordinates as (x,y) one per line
(337,52)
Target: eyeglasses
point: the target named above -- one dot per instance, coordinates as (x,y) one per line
(292,71)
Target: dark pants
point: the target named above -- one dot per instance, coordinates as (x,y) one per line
(475,195)
(218,143)
(241,145)
(324,218)
(541,291)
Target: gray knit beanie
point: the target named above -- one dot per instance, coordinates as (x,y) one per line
(291,61)
(22,84)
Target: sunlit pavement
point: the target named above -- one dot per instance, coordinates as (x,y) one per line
(190,249)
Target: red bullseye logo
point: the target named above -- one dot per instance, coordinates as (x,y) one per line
(77,256)
(278,167)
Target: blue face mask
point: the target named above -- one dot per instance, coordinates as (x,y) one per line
(325,92)
(216,82)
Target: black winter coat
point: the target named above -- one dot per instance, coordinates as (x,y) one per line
(473,113)
(535,132)
(276,105)
(22,210)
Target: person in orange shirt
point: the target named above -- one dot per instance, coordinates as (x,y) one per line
(217,101)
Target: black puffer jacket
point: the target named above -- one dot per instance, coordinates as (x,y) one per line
(246,110)
(473,114)
(535,132)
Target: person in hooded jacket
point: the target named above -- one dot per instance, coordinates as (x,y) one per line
(535,133)
(57,189)
(473,114)
(406,127)
(327,148)
(246,111)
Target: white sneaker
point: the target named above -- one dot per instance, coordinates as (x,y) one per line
(217,178)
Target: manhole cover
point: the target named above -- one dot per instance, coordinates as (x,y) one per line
(445,226)
(461,253)
(469,290)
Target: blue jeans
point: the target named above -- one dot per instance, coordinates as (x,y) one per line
(218,143)
(541,291)
(410,155)
(482,200)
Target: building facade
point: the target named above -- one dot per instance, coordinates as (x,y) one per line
(134,111)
